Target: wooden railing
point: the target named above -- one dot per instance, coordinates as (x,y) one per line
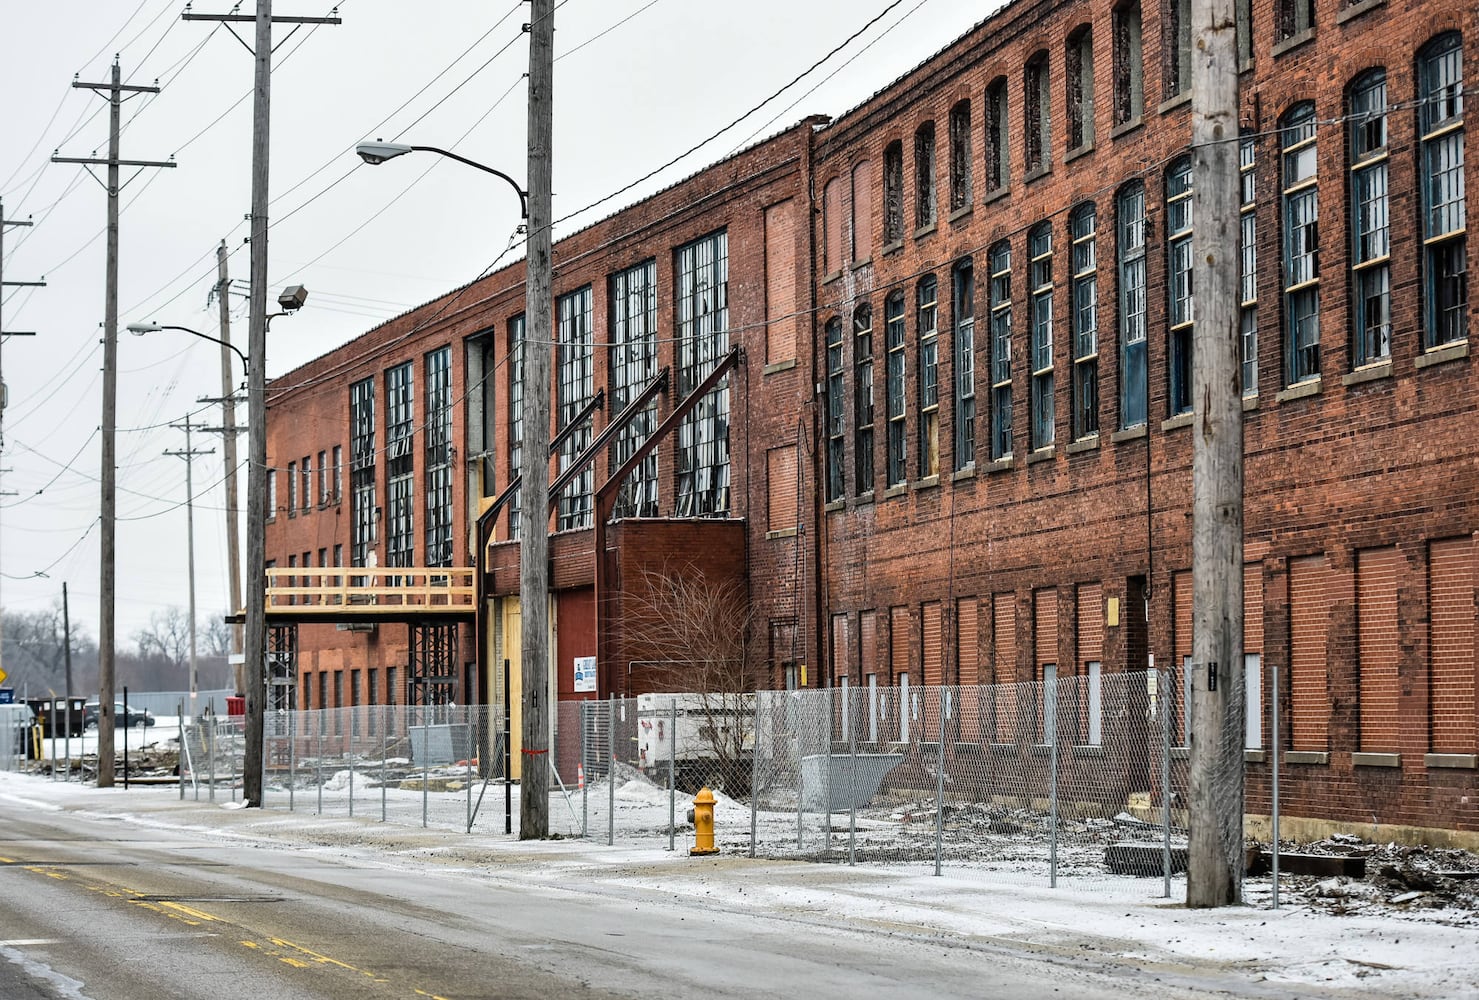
(345,588)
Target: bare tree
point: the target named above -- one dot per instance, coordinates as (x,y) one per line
(34,651)
(691,632)
(167,637)
(215,637)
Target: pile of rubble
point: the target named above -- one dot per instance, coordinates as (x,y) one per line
(1434,881)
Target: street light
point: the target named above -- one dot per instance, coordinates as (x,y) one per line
(377,152)
(290,301)
(139,329)
(534,543)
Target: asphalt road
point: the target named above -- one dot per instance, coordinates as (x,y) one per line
(93,909)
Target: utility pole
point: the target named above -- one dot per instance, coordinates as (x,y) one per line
(255,638)
(67,652)
(108,514)
(538,341)
(4,392)
(228,447)
(1215,854)
(189,456)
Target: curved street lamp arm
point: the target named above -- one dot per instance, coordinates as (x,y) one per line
(523,195)
(214,340)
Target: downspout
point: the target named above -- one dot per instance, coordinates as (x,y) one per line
(821,579)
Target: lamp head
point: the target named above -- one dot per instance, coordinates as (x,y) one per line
(378,152)
(292,298)
(139,329)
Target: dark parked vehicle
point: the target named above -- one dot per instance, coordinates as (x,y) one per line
(122,715)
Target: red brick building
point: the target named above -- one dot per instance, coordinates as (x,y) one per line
(955,442)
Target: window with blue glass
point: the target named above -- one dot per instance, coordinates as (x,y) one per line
(1180,310)
(927,389)
(862,341)
(1445,250)
(1301,244)
(893,333)
(999,261)
(835,421)
(963,301)
(1082,229)
(1130,224)
(1040,290)
(1371,304)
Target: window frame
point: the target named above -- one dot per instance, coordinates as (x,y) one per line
(1040,288)
(1370,219)
(1299,185)
(1180,305)
(999,264)
(963,355)
(927,373)
(1083,227)
(1131,315)
(896,469)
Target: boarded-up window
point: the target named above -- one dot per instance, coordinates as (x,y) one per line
(1451,644)
(1178,699)
(934,673)
(1004,649)
(898,642)
(967,642)
(1090,622)
(780,467)
(1309,622)
(841,650)
(1253,608)
(832,226)
(868,643)
(780,282)
(1376,623)
(1045,633)
(862,212)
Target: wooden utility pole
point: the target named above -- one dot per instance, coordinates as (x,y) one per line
(108,513)
(189,456)
(255,639)
(538,347)
(228,447)
(1215,856)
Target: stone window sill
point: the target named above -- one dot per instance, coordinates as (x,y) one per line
(1083,444)
(782,533)
(895,491)
(926,230)
(1041,455)
(1175,101)
(1294,41)
(1037,173)
(1306,757)
(1088,750)
(862,498)
(1126,127)
(1368,373)
(1355,10)
(1255,756)
(861,263)
(1177,422)
(1376,759)
(1250,403)
(1468,760)
(926,483)
(996,195)
(969,472)
(1083,150)
(776,367)
(963,212)
(893,247)
(829,278)
(1438,355)
(1300,390)
(1000,465)
(1129,434)
(835,505)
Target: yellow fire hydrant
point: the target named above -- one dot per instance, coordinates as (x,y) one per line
(703,823)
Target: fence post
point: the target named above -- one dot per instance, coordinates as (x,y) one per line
(211,763)
(1163,706)
(179,764)
(385,752)
(349,759)
(944,695)
(585,780)
(827,782)
(611,771)
(672,772)
(794,712)
(1277,744)
(852,776)
(292,759)
(425,763)
(468,747)
(1051,715)
(755,776)
(318,758)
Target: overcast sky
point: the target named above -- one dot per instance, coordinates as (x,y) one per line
(636,83)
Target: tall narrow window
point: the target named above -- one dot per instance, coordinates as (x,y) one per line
(999,260)
(323,478)
(703,338)
(862,355)
(960,155)
(832,252)
(924,176)
(1036,107)
(1295,17)
(1040,285)
(338,472)
(400,466)
(835,422)
(438,442)
(1178,284)
(292,489)
(927,319)
(271,494)
(1445,250)
(1130,222)
(1081,88)
(893,333)
(1248,265)
(1083,228)
(1178,47)
(575,389)
(963,283)
(1301,246)
(307,481)
(1129,71)
(633,297)
(998,147)
(861,237)
(893,193)
(1371,308)
(515,419)
(1244,17)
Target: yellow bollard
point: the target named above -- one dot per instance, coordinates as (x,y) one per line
(703,823)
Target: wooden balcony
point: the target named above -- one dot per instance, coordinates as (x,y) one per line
(371,594)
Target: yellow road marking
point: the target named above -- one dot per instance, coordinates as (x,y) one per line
(191,911)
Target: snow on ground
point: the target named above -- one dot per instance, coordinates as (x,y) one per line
(1300,950)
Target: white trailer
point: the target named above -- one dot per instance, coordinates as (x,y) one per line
(707,739)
